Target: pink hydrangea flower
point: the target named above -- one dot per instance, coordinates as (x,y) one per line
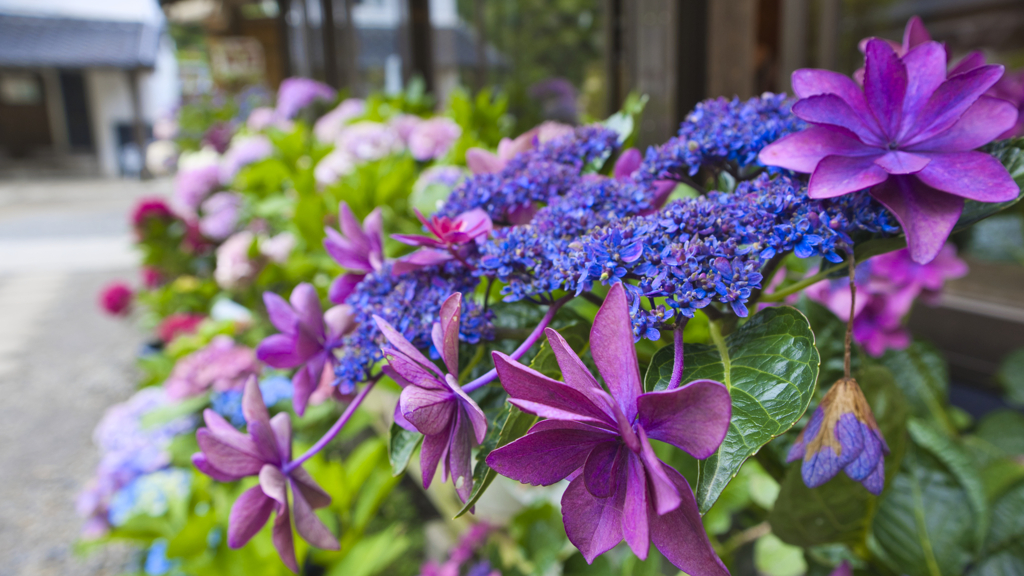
(221,365)
(116,299)
(431,139)
(330,125)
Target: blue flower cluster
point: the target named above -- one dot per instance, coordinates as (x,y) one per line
(411,303)
(151,495)
(528,258)
(712,248)
(720,132)
(536,176)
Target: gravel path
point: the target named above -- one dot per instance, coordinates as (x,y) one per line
(62,363)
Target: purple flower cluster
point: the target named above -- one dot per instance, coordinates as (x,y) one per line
(538,175)
(720,132)
(411,303)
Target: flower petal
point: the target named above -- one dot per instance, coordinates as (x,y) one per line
(280,313)
(399,342)
(926,71)
(681,537)
(419,259)
(809,82)
(429,410)
(629,161)
(593,525)
(203,465)
(307,524)
(548,453)
(343,286)
(282,538)
(926,215)
(693,418)
(833,110)
(226,458)
(899,162)
(974,175)
(635,521)
(537,394)
(605,468)
(433,451)
(802,151)
(885,85)
(950,101)
(982,123)
(839,175)
(459,456)
(666,495)
(248,515)
(613,350)
(470,409)
(480,161)
(574,371)
(278,350)
(306,304)
(451,310)
(350,227)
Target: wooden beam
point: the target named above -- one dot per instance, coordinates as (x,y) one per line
(330,47)
(283,43)
(421,48)
(732,35)
(792,41)
(655,60)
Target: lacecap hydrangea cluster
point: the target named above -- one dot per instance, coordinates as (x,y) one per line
(721,132)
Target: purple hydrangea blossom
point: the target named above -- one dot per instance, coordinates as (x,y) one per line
(908,136)
(193,184)
(359,248)
(220,215)
(295,94)
(431,139)
(244,150)
(220,365)
(481,161)
(619,488)
(433,403)
(330,125)
(453,239)
(842,435)
(265,451)
(307,340)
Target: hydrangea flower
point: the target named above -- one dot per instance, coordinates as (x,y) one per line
(433,403)
(116,299)
(294,94)
(229,403)
(329,126)
(619,488)
(220,365)
(175,325)
(307,340)
(367,141)
(220,215)
(842,435)
(265,451)
(244,150)
(481,161)
(359,248)
(908,136)
(150,495)
(198,176)
(452,238)
(431,139)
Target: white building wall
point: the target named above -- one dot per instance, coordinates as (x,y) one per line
(110,103)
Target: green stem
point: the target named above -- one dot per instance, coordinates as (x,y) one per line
(723,351)
(780,295)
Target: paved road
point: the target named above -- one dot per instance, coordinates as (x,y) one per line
(62,363)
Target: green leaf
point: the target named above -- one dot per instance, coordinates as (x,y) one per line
(1011,377)
(770,365)
(373,554)
(165,414)
(922,374)
(1004,429)
(924,524)
(659,371)
(841,510)
(576,334)
(959,462)
(510,425)
(401,444)
(1004,547)
(773,557)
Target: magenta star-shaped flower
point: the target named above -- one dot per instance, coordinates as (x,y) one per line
(433,402)
(909,136)
(359,248)
(450,239)
(264,451)
(619,488)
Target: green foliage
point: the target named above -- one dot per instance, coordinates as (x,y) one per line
(923,375)
(510,424)
(1011,377)
(401,445)
(770,366)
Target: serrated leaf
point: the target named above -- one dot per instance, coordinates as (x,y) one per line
(1004,547)
(960,464)
(510,425)
(924,524)
(1011,377)
(401,444)
(770,365)
(659,372)
(841,510)
(1004,429)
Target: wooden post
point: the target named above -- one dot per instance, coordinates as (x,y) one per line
(350,52)
(731,44)
(693,55)
(828,33)
(421,50)
(138,124)
(654,52)
(283,43)
(330,48)
(481,43)
(792,40)
(614,54)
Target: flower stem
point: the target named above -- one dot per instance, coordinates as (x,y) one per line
(677,355)
(333,432)
(723,350)
(849,322)
(529,342)
(780,295)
